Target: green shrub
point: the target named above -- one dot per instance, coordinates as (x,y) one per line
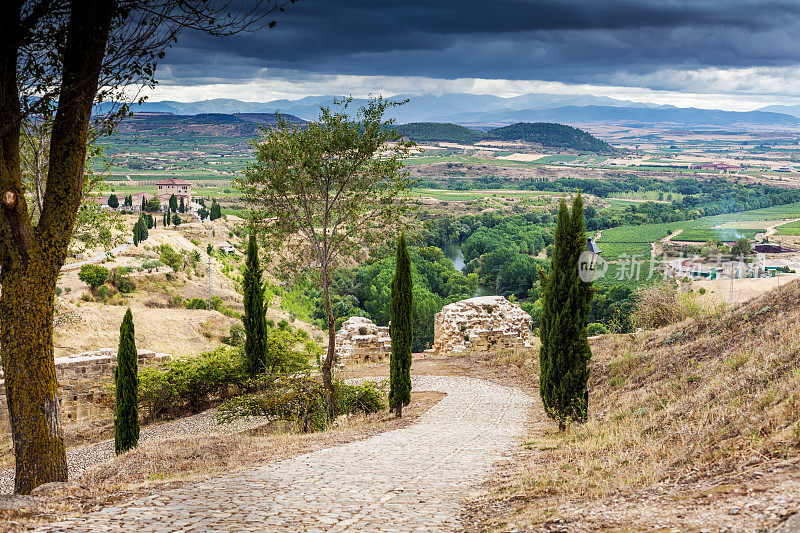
(191,384)
(366,397)
(196,303)
(93,275)
(596,328)
(170,257)
(120,280)
(151,264)
(283,324)
(236,337)
(300,399)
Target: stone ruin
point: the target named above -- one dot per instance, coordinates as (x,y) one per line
(482,323)
(361,341)
(82,378)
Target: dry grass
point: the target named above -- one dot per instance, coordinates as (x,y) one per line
(674,409)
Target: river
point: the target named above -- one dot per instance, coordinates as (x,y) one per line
(453,253)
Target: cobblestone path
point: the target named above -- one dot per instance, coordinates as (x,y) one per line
(409,479)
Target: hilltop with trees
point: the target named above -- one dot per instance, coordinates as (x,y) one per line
(546,134)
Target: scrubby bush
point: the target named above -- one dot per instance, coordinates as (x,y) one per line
(170,257)
(151,264)
(300,399)
(121,281)
(191,384)
(236,337)
(196,303)
(596,328)
(93,275)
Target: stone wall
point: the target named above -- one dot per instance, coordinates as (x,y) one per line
(361,341)
(482,323)
(81,379)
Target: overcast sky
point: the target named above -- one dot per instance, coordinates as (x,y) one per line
(732,54)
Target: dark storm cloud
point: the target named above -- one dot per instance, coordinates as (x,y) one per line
(570,41)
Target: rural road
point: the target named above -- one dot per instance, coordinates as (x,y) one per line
(97,258)
(409,479)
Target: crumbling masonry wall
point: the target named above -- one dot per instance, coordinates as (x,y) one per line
(81,379)
(360,341)
(481,324)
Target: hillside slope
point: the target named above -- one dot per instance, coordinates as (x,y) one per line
(440,132)
(690,425)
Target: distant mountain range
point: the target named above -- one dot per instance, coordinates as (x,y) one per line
(793,110)
(484,111)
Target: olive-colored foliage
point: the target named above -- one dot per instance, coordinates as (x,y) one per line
(334,183)
(564,354)
(170,257)
(126,417)
(401,330)
(301,400)
(93,275)
(254,319)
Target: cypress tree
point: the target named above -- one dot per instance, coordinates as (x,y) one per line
(126,382)
(400,330)
(565,353)
(113,201)
(255,326)
(144,203)
(173,204)
(182,208)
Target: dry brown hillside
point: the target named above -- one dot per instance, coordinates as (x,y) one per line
(693,427)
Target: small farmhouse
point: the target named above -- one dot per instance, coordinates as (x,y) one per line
(180,188)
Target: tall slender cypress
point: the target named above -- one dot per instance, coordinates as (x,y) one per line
(565,353)
(255,325)
(400,329)
(126,381)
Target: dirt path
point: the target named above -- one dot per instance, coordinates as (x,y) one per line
(772,230)
(409,479)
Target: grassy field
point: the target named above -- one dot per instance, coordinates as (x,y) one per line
(704,234)
(636,239)
(792,228)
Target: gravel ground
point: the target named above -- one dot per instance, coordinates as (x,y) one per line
(201,425)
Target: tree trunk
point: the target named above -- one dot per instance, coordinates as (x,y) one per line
(31,258)
(327,365)
(398,410)
(26,344)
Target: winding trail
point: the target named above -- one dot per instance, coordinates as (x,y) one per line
(409,479)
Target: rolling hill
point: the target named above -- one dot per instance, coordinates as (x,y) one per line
(547,134)
(243,125)
(551,135)
(440,132)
